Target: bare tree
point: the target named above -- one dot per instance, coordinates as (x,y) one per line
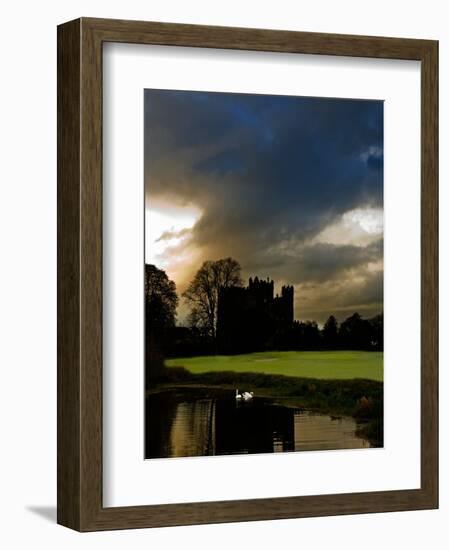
(202,293)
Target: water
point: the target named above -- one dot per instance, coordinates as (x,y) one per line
(203,422)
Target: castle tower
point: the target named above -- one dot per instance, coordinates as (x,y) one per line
(260,291)
(287,296)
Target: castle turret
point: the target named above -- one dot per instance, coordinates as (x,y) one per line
(287,295)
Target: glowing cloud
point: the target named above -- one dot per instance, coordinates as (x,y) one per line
(358,227)
(166,227)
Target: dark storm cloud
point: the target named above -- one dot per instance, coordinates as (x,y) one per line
(317,263)
(266,171)
(297,161)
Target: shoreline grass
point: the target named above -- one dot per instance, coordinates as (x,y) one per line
(360,398)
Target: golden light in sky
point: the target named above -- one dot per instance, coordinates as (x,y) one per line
(167,230)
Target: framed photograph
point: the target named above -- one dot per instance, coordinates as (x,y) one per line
(247,274)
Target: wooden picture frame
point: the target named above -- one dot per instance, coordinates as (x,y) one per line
(80,503)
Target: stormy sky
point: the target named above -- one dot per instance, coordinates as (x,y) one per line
(291,187)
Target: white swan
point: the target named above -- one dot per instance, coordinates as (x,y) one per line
(247,395)
(238,395)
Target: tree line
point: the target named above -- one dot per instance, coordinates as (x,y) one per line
(354,332)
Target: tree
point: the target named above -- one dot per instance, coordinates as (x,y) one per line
(202,293)
(311,335)
(161,299)
(330,333)
(355,333)
(377,332)
(306,335)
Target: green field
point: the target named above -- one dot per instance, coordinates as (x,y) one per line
(341,365)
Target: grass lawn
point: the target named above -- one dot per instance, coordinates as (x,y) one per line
(341,365)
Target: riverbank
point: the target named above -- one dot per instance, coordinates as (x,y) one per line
(359,398)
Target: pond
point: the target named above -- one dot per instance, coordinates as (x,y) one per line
(186,422)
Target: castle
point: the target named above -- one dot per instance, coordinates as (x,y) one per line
(251,318)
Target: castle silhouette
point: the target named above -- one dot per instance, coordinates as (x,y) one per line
(251,318)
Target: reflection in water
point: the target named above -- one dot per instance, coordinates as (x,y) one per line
(195,422)
(193,429)
(322,432)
